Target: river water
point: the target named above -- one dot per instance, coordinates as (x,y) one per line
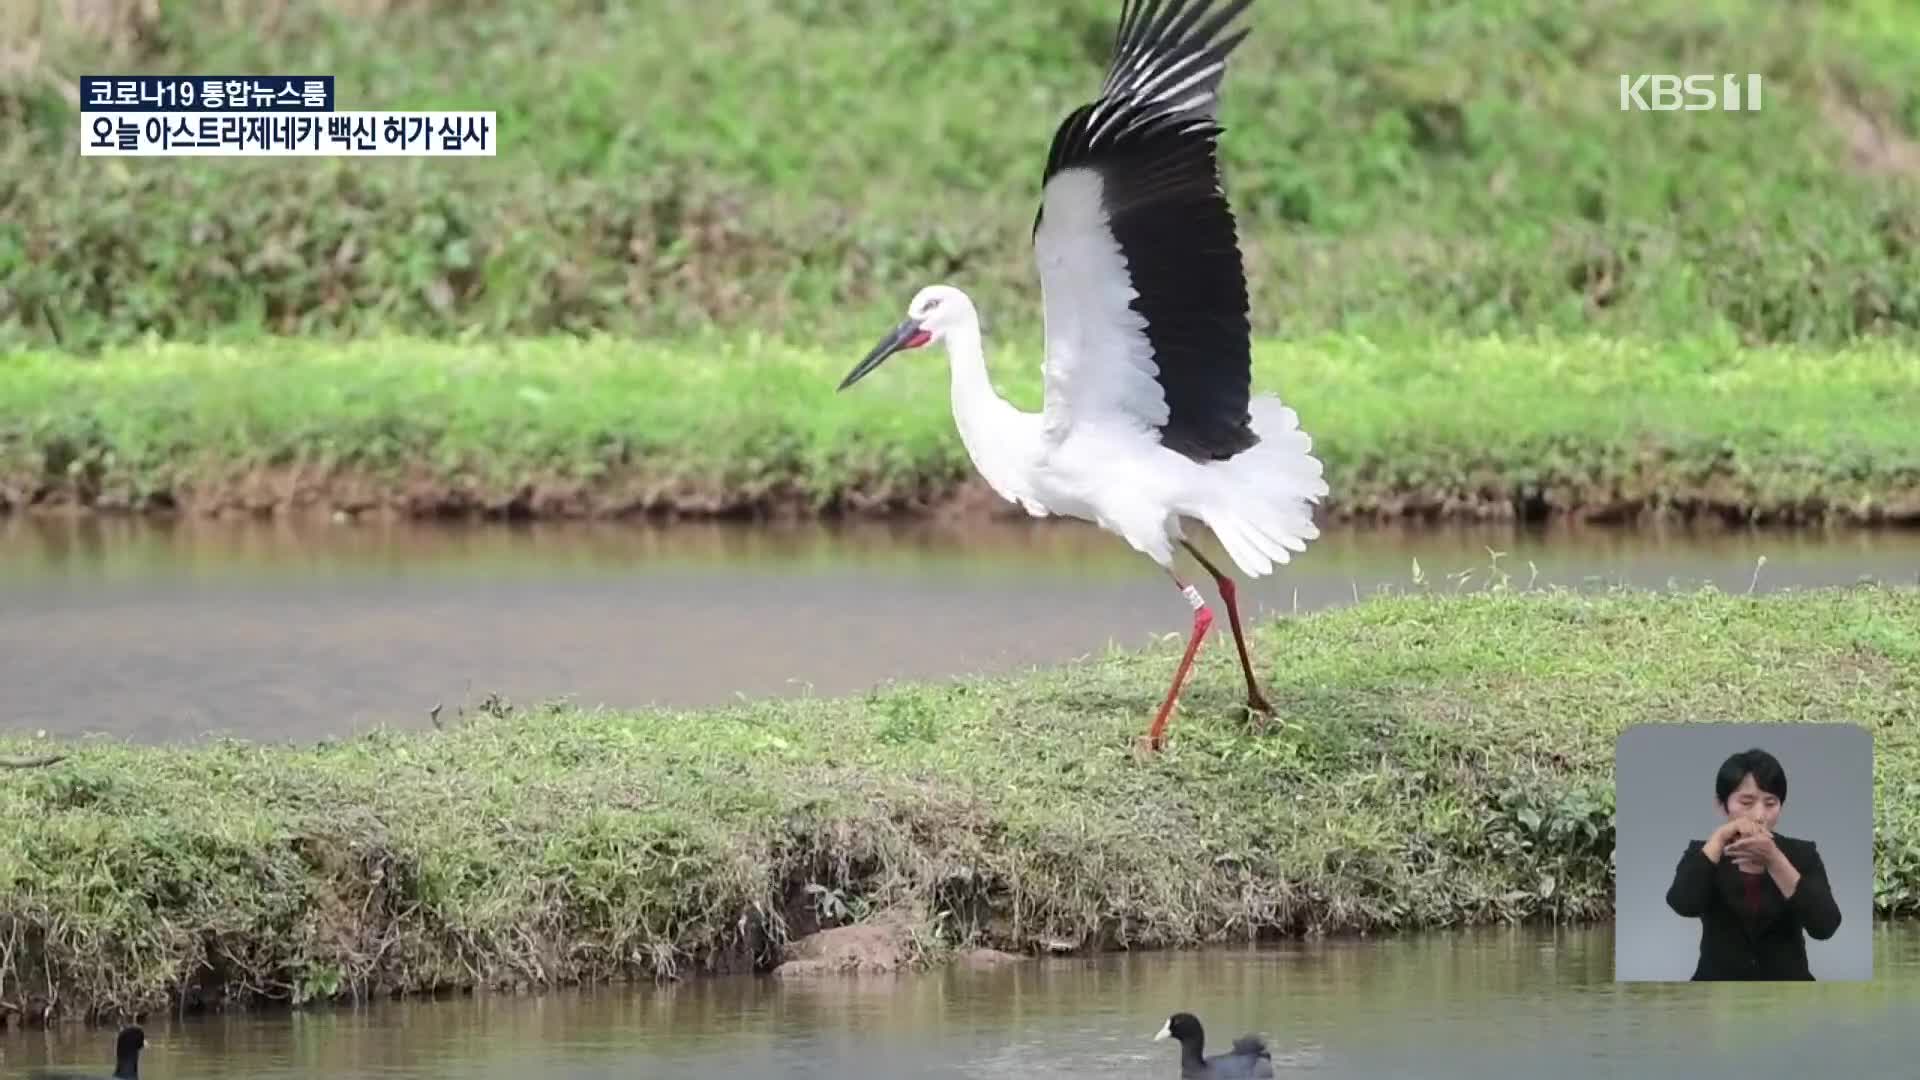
(273,631)
(1519,1003)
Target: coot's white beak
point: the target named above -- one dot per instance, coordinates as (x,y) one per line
(1166,1031)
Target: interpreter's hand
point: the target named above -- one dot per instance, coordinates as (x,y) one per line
(1753,852)
(1725,835)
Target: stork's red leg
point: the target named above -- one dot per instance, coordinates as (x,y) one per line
(1256,701)
(1202,618)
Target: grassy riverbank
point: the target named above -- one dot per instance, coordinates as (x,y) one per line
(1417,427)
(1448,761)
(667,167)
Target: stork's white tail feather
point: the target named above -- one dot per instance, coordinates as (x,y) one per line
(1259,504)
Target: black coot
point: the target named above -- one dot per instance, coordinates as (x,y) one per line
(1248,1058)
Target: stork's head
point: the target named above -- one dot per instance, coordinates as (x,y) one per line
(936,310)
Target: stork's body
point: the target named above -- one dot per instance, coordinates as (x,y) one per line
(1149,418)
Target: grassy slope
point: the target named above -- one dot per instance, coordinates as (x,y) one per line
(1448,760)
(788,166)
(1590,426)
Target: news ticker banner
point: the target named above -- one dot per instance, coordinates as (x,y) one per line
(261,116)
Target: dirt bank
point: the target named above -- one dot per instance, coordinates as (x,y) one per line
(298,494)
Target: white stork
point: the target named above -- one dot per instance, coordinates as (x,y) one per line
(1148,417)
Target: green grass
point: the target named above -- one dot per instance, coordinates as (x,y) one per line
(1446,760)
(1431,426)
(805,164)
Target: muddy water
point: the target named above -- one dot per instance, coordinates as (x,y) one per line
(1446,1006)
(163,632)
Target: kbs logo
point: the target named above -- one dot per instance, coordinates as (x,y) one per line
(1666,93)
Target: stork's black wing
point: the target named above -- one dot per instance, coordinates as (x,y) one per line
(1145,293)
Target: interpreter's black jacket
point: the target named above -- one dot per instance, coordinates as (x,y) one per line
(1736,940)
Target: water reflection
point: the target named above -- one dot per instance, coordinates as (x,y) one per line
(1502,1002)
(105,549)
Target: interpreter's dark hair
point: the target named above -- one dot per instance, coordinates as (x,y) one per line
(1767,774)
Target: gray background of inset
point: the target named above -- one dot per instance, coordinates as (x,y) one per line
(1663,797)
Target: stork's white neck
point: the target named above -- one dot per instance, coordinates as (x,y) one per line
(990,427)
(968,361)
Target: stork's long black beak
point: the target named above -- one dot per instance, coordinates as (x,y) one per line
(892,343)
